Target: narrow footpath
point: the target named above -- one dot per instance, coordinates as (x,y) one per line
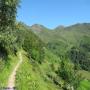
(11,81)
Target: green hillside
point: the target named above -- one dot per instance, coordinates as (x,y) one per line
(34,76)
(61,41)
(36,58)
(70,34)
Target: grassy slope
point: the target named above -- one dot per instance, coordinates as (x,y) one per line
(85,85)
(85,74)
(33,76)
(7,69)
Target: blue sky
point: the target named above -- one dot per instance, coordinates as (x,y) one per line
(52,13)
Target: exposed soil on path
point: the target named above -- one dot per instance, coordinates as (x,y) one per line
(11,81)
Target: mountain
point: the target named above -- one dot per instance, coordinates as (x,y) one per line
(37,28)
(62,38)
(41,31)
(70,33)
(59,27)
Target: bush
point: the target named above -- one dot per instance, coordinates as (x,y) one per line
(68,74)
(80,57)
(30,43)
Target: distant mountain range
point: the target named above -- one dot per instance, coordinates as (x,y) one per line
(62,38)
(70,34)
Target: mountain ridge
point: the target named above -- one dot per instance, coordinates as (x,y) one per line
(36,26)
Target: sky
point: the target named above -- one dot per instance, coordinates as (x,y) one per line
(52,13)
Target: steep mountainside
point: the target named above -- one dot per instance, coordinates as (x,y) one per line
(69,34)
(72,42)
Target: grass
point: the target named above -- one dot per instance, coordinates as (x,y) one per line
(85,74)
(84,85)
(7,69)
(33,76)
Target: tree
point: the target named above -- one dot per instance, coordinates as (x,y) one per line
(80,56)
(68,74)
(8,11)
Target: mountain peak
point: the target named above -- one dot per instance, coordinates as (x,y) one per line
(38,28)
(37,25)
(59,27)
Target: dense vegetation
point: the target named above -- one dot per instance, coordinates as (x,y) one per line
(11,40)
(80,57)
(30,43)
(35,76)
(71,42)
(8,11)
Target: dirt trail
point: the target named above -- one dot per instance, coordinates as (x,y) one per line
(11,81)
